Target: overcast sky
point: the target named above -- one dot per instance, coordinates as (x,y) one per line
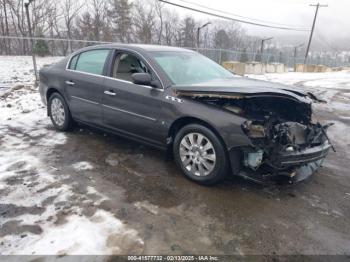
(333,22)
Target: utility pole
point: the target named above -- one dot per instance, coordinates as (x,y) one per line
(198,33)
(262,46)
(295,55)
(312,30)
(26,5)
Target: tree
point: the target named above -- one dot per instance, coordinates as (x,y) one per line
(258,57)
(188,32)
(85,26)
(222,40)
(70,10)
(144,22)
(159,11)
(5,27)
(122,19)
(171,28)
(280,57)
(41,48)
(244,56)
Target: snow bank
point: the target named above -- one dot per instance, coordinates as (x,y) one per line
(19,69)
(83,236)
(324,80)
(28,183)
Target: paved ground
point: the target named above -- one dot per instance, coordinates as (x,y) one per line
(88,192)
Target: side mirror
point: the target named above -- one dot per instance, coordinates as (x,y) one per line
(142,79)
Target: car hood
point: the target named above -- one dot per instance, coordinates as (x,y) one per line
(239,87)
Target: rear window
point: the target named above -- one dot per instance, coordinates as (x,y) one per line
(73,62)
(90,61)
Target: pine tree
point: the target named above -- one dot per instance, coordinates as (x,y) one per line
(41,48)
(122,19)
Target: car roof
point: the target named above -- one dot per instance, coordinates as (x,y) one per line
(141,47)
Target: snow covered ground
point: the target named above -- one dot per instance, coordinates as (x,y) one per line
(43,214)
(32,195)
(19,69)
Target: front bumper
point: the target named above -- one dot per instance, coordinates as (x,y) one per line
(308,155)
(306,171)
(290,166)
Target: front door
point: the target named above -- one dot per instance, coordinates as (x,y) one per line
(134,110)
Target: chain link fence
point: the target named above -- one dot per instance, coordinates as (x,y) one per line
(288,58)
(61,47)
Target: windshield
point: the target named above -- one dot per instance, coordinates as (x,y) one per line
(189,67)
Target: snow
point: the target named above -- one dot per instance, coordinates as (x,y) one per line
(26,135)
(325,80)
(80,236)
(147,206)
(83,165)
(19,69)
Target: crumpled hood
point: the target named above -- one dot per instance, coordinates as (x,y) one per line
(242,86)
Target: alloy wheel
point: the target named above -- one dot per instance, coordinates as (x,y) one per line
(57,112)
(197,154)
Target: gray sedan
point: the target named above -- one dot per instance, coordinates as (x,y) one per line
(213,122)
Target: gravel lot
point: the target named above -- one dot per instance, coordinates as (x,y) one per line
(86,192)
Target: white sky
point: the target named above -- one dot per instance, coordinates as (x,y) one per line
(333,22)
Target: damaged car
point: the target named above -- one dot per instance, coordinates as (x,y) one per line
(212,122)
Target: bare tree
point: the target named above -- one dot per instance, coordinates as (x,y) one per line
(5,27)
(171,27)
(121,12)
(144,22)
(70,10)
(159,11)
(98,8)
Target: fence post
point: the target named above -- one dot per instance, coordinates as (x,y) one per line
(32,42)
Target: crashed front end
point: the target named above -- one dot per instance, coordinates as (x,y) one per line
(283,149)
(285,142)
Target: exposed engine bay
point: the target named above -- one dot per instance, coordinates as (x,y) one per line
(281,130)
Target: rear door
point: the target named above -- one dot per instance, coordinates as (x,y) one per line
(84,79)
(135,110)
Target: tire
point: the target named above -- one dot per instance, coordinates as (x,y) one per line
(200,167)
(59,112)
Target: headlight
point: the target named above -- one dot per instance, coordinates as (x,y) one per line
(253,130)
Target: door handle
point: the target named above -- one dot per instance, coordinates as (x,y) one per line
(110,93)
(70,83)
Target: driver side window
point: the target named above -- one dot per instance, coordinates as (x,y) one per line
(125,65)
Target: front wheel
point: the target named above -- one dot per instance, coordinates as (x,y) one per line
(59,112)
(200,154)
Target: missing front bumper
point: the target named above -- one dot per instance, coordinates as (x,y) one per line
(292,176)
(287,166)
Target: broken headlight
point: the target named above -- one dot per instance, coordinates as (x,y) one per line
(254,130)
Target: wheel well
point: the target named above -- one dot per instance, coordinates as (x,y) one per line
(181,122)
(50,91)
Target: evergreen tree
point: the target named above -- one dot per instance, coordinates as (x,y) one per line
(41,48)
(122,19)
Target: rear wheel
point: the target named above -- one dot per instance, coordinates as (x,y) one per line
(59,112)
(200,154)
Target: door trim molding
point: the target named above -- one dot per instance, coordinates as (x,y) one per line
(130,113)
(85,100)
